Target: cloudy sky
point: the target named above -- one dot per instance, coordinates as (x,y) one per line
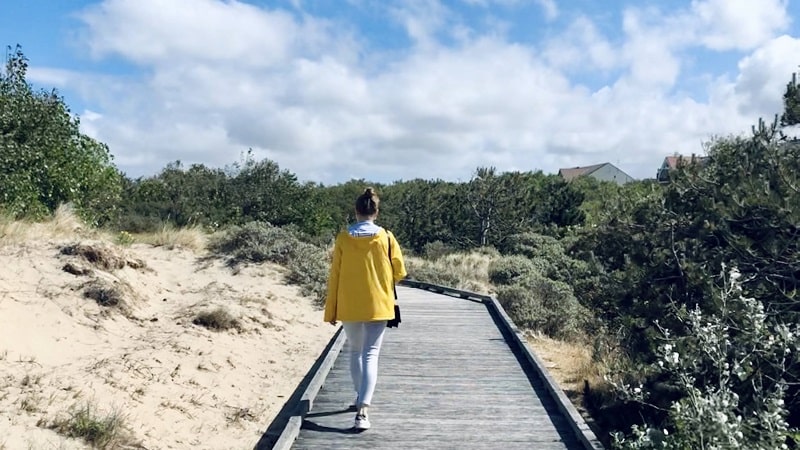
(386,90)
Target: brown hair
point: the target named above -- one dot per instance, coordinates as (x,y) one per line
(367,203)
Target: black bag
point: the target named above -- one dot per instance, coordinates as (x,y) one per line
(394,323)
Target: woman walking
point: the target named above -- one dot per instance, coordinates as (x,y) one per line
(367,263)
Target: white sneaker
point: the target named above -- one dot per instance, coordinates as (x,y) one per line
(362,422)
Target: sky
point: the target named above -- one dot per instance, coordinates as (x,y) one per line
(389,90)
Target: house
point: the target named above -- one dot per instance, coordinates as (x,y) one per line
(674,162)
(602,172)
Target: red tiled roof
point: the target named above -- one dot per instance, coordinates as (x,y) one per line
(673,161)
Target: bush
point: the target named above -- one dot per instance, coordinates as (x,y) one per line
(508,270)
(257,242)
(543,305)
(218,320)
(730,371)
(309,269)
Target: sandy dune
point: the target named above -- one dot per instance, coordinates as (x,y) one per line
(177,385)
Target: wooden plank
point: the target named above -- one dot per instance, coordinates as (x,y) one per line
(447,379)
(292,429)
(581,429)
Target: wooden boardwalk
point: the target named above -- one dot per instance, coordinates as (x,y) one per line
(454,375)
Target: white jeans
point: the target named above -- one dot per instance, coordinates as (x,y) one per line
(364,344)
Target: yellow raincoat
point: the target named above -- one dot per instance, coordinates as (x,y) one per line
(361,281)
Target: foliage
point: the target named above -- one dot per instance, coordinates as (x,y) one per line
(436,250)
(730,371)
(509,270)
(656,245)
(420,212)
(541,304)
(791,104)
(261,242)
(597,195)
(45,160)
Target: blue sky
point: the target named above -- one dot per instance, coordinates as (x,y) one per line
(389,90)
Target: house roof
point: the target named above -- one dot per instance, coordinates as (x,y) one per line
(672,161)
(575,172)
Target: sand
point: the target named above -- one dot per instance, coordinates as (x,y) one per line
(173,384)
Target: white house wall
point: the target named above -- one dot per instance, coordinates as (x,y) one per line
(611,173)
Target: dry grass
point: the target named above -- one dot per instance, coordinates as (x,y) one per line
(569,363)
(467,271)
(190,238)
(102,256)
(64,224)
(579,373)
(218,320)
(102,431)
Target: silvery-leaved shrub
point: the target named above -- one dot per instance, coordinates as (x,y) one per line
(541,304)
(730,369)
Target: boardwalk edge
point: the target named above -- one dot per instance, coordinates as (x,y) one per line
(293,425)
(576,421)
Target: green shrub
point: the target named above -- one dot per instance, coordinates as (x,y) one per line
(533,245)
(508,270)
(135,223)
(730,371)
(544,305)
(257,242)
(309,269)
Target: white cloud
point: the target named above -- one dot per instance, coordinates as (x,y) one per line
(549,7)
(739,24)
(200,31)
(422,19)
(763,76)
(315,102)
(581,46)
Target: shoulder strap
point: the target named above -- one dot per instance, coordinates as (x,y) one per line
(389,240)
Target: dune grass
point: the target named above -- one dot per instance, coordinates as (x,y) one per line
(102,431)
(191,238)
(63,224)
(462,270)
(219,319)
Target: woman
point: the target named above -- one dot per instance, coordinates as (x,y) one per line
(366,265)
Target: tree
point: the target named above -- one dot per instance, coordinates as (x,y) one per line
(421,211)
(44,158)
(791,103)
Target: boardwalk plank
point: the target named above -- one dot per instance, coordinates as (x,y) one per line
(447,379)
